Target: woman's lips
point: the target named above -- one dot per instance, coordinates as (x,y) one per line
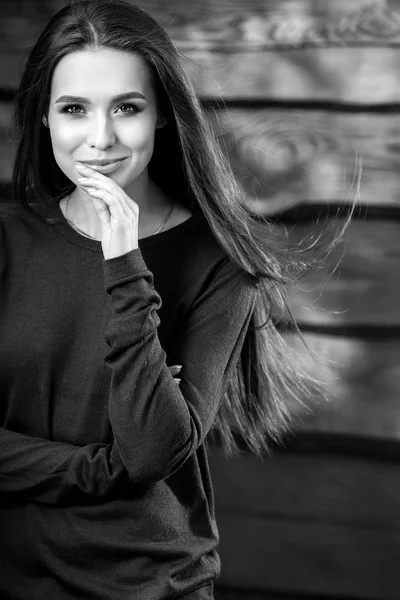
(105,169)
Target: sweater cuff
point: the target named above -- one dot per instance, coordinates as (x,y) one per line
(120,267)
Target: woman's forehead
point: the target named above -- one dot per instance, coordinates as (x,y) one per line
(101,73)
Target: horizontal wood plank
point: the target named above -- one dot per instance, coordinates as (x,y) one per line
(312,558)
(228,41)
(362,383)
(317,526)
(366,76)
(358,284)
(344,51)
(237,23)
(359,492)
(262,24)
(286,157)
(354,75)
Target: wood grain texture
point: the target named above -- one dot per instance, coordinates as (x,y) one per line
(309,525)
(257,24)
(367,76)
(285,157)
(262,24)
(358,284)
(349,75)
(309,558)
(334,488)
(362,383)
(344,50)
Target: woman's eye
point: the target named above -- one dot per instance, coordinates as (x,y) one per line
(76,109)
(128,108)
(71,109)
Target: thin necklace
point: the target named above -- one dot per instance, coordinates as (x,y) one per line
(167,218)
(158,230)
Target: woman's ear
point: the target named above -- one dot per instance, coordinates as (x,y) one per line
(161,121)
(45,121)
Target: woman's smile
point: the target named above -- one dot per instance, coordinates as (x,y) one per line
(105,168)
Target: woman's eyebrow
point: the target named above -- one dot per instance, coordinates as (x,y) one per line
(118,98)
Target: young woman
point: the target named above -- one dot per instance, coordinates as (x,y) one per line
(134,303)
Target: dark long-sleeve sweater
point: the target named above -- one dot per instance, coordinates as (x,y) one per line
(104,483)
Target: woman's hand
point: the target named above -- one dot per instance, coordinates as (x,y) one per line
(118,214)
(175,370)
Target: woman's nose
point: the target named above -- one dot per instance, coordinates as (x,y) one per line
(101,134)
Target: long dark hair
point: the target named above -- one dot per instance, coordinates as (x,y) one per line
(269,378)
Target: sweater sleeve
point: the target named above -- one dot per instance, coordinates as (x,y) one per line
(46,471)
(156,424)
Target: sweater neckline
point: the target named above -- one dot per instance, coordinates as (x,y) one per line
(81,240)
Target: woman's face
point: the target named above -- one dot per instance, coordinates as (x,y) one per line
(103,108)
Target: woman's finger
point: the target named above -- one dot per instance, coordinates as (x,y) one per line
(175,369)
(92,178)
(111,201)
(127,204)
(120,227)
(99,184)
(89,172)
(102,210)
(86,175)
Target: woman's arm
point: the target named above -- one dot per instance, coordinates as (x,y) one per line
(47,471)
(156,423)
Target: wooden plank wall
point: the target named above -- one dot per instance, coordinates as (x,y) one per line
(301,92)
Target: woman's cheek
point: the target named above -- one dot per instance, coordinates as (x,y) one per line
(141,143)
(133,135)
(66,135)
(64,158)
(66,139)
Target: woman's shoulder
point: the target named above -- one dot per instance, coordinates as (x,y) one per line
(18,225)
(8,209)
(11,210)
(13,234)
(194,241)
(10,215)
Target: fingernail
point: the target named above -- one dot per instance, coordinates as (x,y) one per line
(83,179)
(177,380)
(176,367)
(82,168)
